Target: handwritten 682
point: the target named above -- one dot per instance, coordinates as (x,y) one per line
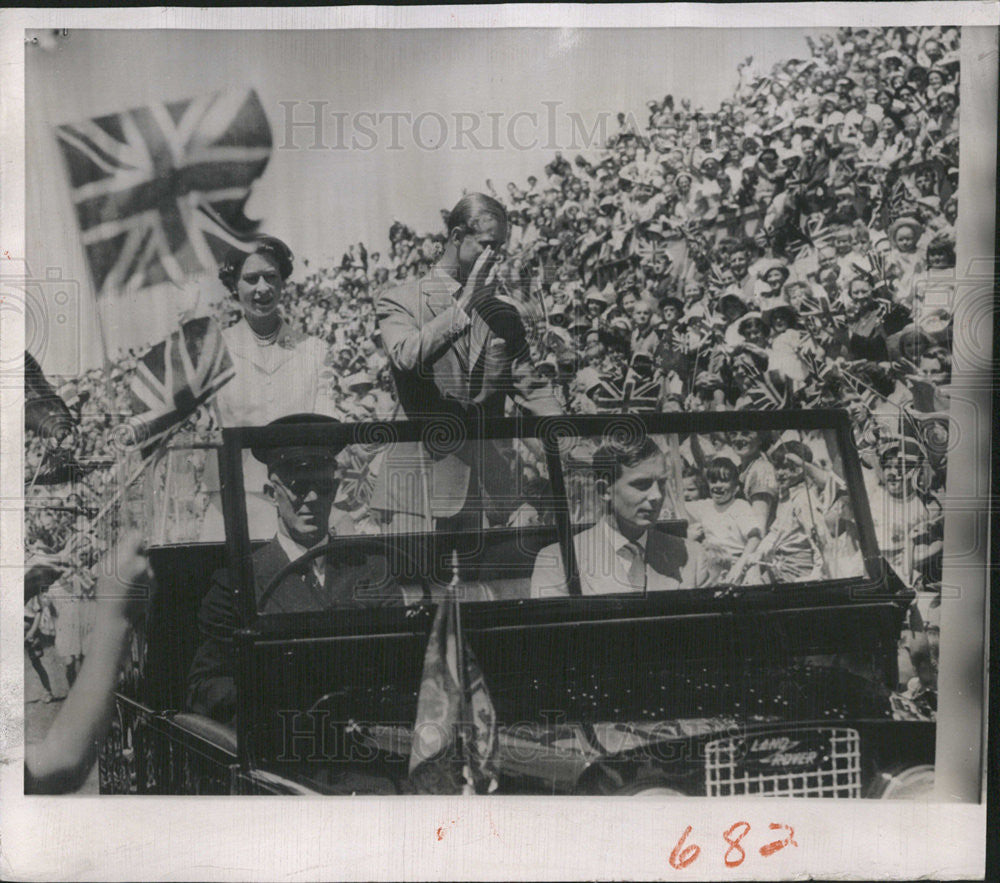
(685,854)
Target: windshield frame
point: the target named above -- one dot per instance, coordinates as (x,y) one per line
(548,431)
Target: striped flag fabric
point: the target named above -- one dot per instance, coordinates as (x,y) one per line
(436,754)
(175,377)
(159,191)
(767,391)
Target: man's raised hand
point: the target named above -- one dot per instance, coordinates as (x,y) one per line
(482,279)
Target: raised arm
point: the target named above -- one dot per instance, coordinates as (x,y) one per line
(61,761)
(412,344)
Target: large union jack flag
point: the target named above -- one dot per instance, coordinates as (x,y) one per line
(176,376)
(159,191)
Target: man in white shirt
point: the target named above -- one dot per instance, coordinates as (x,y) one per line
(623,551)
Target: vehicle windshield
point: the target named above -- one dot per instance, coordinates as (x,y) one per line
(600,514)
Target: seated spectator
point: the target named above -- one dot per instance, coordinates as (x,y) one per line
(623,551)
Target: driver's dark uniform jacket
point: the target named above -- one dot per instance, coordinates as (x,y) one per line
(358,582)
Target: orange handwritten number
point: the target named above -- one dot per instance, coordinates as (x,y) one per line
(680,858)
(735,844)
(772,847)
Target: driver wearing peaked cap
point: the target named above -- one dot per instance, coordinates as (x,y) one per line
(302,484)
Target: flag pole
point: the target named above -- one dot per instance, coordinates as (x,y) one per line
(465,717)
(38,469)
(134,477)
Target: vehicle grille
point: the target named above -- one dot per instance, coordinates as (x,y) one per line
(835,773)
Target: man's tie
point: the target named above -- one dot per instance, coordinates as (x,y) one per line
(635,564)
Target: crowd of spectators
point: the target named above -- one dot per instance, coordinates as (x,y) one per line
(793,247)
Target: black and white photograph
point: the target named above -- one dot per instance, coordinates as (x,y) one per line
(487,423)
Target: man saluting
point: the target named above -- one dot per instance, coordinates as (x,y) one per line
(623,551)
(458,350)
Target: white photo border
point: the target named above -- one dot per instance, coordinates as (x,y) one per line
(523,838)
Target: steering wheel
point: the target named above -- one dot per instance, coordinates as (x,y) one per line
(362,545)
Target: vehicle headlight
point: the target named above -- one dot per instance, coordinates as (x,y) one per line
(912,783)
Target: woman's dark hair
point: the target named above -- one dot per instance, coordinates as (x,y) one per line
(268,246)
(722,469)
(749,320)
(791,317)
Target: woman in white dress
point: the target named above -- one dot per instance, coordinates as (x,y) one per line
(279,371)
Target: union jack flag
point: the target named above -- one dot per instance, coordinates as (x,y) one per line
(634,395)
(812,233)
(159,191)
(175,377)
(824,384)
(767,391)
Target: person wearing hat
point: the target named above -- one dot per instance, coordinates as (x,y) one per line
(687,206)
(788,344)
(750,338)
(937,78)
(771,276)
(302,484)
(809,538)
(669,355)
(901,505)
(596,302)
(946,108)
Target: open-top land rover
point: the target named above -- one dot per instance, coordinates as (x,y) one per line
(748,685)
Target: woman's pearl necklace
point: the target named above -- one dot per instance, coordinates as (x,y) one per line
(267,339)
